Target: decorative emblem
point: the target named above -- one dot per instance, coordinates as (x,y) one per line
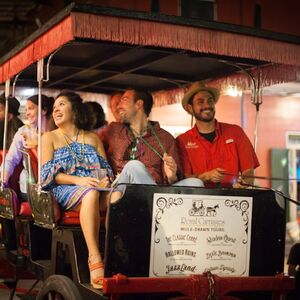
(198,209)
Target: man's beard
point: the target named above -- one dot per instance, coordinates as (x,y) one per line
(124,120)
(127,117)
(198,116)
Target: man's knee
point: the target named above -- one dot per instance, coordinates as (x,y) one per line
(193,182)
(134,166)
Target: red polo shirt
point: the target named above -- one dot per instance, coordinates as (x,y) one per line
(231,150)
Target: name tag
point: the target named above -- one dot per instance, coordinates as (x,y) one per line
(229,141)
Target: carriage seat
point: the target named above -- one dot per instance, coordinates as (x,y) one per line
(10,204)
(72,218)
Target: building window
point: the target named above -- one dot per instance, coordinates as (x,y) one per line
(293,139)
(199,9)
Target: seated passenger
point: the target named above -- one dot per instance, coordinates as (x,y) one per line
(73,162)
(98,123)
(113,104)
(217,153)
(13,122)
(26,137)
(139,149)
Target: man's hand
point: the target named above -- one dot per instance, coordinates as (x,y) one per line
(246,177)
(215,175)
(170,168)
(239,185)
(104,182)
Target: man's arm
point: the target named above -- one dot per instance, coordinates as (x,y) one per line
(247,157)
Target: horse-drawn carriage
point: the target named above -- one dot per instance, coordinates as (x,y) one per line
(160,242)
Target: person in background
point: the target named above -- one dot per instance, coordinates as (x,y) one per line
(139,149)
(74,168)
(114,102)
(294,270)
(26,137)
(13,124)
(217,153)
(98,123)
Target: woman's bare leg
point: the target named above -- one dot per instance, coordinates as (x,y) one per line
(90,220)
(90,224)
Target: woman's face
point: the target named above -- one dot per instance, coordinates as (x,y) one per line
(62,111)
(31,112)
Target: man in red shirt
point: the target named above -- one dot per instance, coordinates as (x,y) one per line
(215,152)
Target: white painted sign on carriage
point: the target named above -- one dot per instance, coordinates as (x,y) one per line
(192,234)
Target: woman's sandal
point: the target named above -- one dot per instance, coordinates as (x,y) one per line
(96,282)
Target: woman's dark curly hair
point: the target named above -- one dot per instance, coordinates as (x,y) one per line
(47,103)
(80,115)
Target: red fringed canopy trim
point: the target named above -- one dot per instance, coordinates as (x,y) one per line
(44,45)
(162,98)
(149,33)
(272,74)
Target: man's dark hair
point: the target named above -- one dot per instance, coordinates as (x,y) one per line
(13,104)
(147,99)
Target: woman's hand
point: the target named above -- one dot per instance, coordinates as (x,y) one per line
(87,181)
(30,137)
(93,182)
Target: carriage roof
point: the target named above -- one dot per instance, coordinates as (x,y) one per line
(105,50)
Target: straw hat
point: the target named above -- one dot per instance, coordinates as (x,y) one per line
(196,87)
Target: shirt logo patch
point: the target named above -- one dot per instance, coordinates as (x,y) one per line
(229,141)
(191,145)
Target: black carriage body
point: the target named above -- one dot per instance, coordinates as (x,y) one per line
(129,231)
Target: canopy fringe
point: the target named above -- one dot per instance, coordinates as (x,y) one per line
(44,45)
(272,74)
(149,33)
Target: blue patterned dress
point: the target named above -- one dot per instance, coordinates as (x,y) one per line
(70,195)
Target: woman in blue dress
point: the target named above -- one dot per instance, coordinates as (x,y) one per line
(74,166)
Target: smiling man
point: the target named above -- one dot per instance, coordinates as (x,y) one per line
(139,149)
(217,153)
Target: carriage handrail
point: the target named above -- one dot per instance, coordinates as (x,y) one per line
(40,75)
(7,85)
(14,83)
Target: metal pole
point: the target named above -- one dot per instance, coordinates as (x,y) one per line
(243,110)
(40,79)
(257,101)
(256,129)
(7,86)
(40,71)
